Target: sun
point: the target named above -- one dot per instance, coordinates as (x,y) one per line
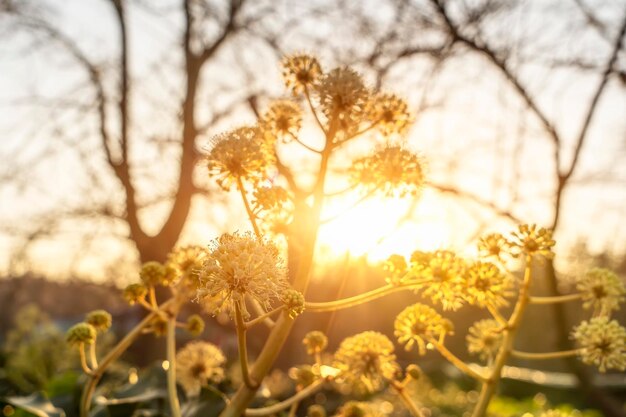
(380,226)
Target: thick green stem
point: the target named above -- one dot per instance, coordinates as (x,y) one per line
(171,370)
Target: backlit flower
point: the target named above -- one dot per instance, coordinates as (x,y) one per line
(283,120)
(494,245)
(154,273)
(486,285)
(602,343)
(390,114)
(484,339)
(300,71)
(101,320)
(293,301)
(391,170)
(417,324)
(366,361)
(445,275)
(195,325)
(134,293)
(238,154)
(315,342)
(81,333)
(199,364)
(533,240)
(241,265)
(396,269)
(602,290)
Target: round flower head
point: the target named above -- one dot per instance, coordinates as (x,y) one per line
(303,376)
(195,325)
(445,273)
(343,97)
(240,266)
(602,290)
(390,170)
(294,302)
(134,293)
(602,343)
(269,198)
(396,268)
(197,365)
(300,71)
(366,361)
(417,324)
(187,262)
(493,245)
(316,410)
(484,339)
(390,114)
(487,285)
(100,319)
(315,342)
(283,120)
(532,240)
(81,333)
(238,154)
(153,273)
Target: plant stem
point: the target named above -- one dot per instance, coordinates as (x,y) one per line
(310,103)
(246,204)
(489,386)
(544,355)
(171,370)
(454,360)
(262,317)
(243,348)
(93,358)
(556,299)
(406,399)
(83,360)
(496,314)
(256,306)
(283,405)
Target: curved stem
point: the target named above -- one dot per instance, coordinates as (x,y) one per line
(256,306)
(545,355)
(556,299)
(263,317)
(406,399)
(93,358)
(496,314)
(359,299)
(454,360)
(83,360)
(152,295)
(171,370)
(297,139)
(251,215)
(283,405)
(243,348)
(310,103)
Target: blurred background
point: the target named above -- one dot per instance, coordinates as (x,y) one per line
(106,107)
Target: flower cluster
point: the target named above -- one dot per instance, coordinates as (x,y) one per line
(81,334)
(240,266)
(602,290)
(390,114)
(486,285)
(101,320)
(197,365)
(444,273)
(282,120)
(195,325)
(293,301)
(418,324)
(396,269)
(134,293)
(391,170)
(602,343)
(300,72)
(532,240)
(186,263)
(484,339)
(274,207)
(493,245)
(315,342)
(366,361)
(154,273)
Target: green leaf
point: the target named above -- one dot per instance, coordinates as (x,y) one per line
(36,404)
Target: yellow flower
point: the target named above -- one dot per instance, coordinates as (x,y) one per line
(494,245)
(342,96)
(186,263)
(100,319)
(391,170)
(602,290)
(486,285)
(417,324)
(484,339)
(238,154)
(81,333)
(134,293)
(303,375)
(396,268)
(283,120)
(300,71)
(294,302)
(153,273)
(602,342)
(316,410)
(533,240)
(390,114)
(366,361)
(197,365)
(274,208)
(195,325)
(315,342)
(240,266)
(445,273)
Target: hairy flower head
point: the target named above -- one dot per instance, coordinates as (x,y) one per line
(197,365)
(445,275)
(300,71)
(241,265)
(186,262)
(484,339)
(101,320)
(486,285)
(154,273)
(282,121)
(315,342)
(391,170)
(602,290)
(390,114)
(493,245)
(81,333)
(239,154)
(366,361)
(532,240)
(417,324)
(134,293)
(602,342)
(343,97)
